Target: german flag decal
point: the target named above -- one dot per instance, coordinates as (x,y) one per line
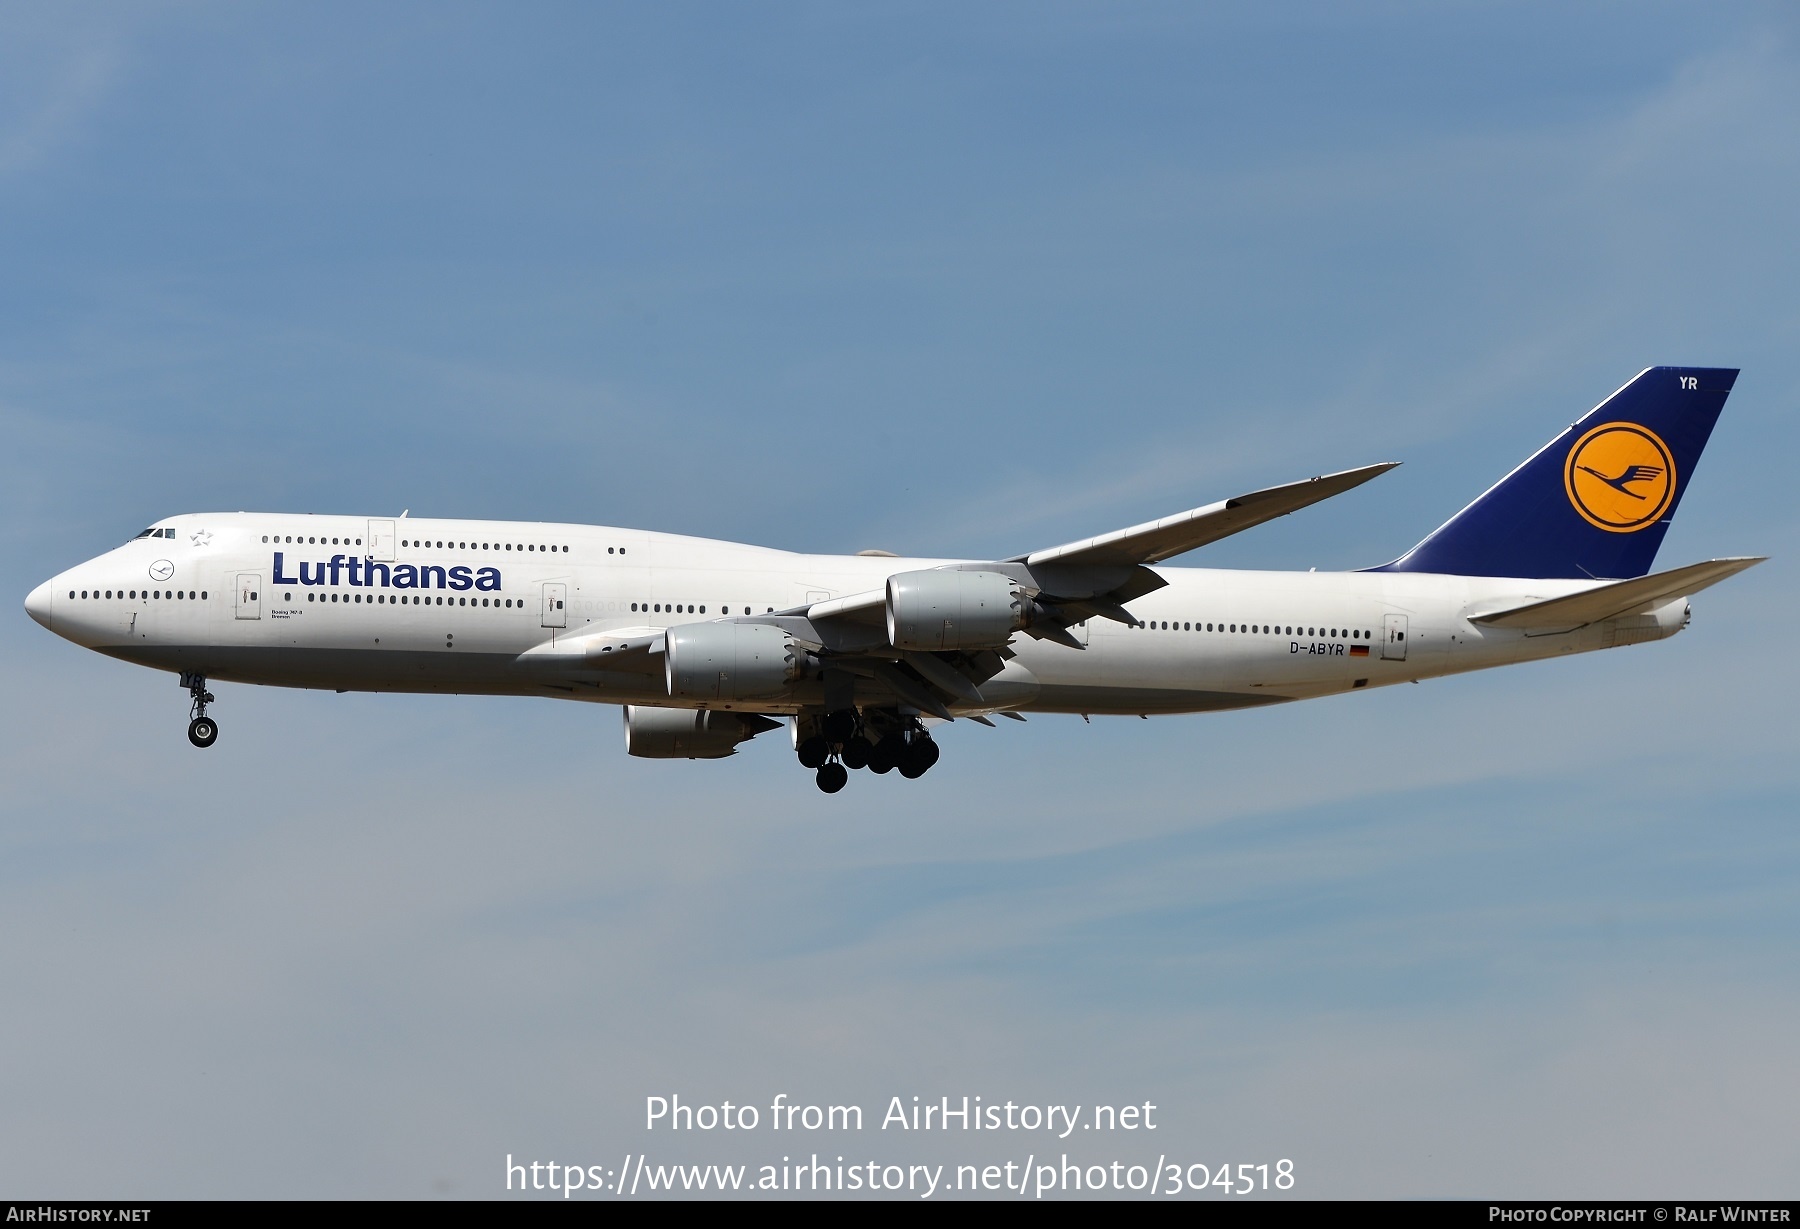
(1359,650)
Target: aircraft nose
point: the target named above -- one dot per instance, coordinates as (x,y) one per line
(37,604)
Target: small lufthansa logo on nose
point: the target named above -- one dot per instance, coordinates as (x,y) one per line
(162,569)
(1620,477)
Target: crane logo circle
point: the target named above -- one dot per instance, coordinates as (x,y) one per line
(1620,477)
(162,569)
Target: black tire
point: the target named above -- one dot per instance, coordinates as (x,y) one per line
(856,752)
(203,731)
(832,778)
(883,756)
(928,753)
(917,759)
(813,752)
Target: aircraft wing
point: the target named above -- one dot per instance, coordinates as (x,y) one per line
(1173,535)
(1068,584)
(628,650)
(1622,597)
(868,607)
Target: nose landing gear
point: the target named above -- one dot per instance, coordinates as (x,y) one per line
(203,731)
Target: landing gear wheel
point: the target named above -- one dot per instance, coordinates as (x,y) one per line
(813,752)
(832,778)
(917,759)
(203,731)
(856,752)
(884,755)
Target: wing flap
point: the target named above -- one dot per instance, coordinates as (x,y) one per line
(1622,597)
(1174,535)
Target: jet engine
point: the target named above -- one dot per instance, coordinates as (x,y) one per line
(687,734)
(934,611)
(732,661)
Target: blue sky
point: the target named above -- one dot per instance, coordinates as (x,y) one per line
(935,279)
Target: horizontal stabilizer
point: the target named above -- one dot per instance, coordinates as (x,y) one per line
(1622,597)
(1174,535)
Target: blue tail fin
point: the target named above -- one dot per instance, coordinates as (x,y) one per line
(1595,501)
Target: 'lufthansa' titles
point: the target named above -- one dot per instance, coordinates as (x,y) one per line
(366,574)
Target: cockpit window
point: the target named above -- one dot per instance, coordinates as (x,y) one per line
(155,532)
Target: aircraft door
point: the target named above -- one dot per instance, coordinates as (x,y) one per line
(1393,639)
(556,604)
(249,595)
(380,548)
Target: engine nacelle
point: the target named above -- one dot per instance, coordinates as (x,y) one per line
(731,661)
(689,734)
(932,611)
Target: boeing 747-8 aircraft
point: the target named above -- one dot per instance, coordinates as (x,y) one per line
(708,643)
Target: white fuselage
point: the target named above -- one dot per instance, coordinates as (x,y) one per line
(496,607)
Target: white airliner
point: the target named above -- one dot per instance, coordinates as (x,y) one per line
(705,643)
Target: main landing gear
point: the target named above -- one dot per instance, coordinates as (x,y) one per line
(203,731)
(880,741)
